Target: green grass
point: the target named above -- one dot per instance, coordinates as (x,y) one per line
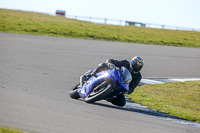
(180,99)
(9,130)
(14,21)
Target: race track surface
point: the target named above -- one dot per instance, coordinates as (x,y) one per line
(37,72)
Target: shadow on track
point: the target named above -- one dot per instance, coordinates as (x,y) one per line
(137,108)
(148,111)
(151,112)
(132,108)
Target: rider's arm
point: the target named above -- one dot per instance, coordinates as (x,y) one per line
(105,66)
(134,83)
(100,67)
(115,62)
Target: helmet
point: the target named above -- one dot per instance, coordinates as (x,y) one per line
(136,64)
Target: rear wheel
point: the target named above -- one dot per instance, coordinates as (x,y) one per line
(73,93)
(100,94)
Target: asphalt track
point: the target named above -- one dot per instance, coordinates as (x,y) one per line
(37,72)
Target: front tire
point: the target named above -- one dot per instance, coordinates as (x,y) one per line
(96,96)
(73,93)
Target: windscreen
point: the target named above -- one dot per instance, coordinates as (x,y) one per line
(126,76)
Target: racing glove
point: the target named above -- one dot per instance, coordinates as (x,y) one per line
(111,66)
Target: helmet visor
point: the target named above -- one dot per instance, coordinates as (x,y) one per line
(136,66)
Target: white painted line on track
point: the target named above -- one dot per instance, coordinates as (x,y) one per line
(183,80)
(150,81)
(194,124)
(163,80)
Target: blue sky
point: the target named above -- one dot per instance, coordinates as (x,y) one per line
(182,13)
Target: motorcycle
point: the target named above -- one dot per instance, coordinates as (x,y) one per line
(103,86)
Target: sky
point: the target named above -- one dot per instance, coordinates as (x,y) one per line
(180,13)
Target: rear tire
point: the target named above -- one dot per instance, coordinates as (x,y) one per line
(92,97)
(73,93)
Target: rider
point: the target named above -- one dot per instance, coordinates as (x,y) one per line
(134,66)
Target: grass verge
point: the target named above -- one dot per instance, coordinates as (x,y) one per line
(10,130)
(180,99)
(14,21)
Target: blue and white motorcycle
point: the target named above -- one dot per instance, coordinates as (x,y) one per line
(103,86)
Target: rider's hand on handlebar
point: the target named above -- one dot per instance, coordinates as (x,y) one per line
(111,66)
(87,76)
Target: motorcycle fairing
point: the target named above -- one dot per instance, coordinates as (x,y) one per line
(116,75)
(92,83)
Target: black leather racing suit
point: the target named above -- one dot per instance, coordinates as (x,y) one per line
(119,100)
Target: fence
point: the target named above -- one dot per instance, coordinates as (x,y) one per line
(107,21)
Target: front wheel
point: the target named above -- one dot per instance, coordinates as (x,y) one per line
(96,96)
(73,93)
